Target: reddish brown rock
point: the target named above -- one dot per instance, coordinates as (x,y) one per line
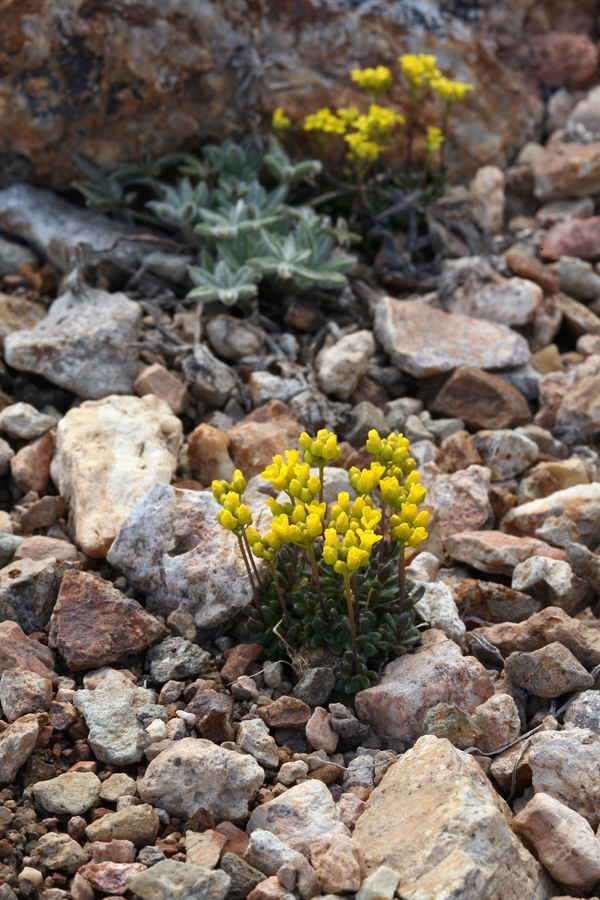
(263,434)
(493,602)
(501,501)
(458,451)
(110,877)
(17,651)
(495,551)
(482,400)
(239,659)
(561,59)
(41,514)
(581,238)
(214,715)
(39,547)
(288,712)
(552,389)
(532,268)
(208,454)
(30,467)
(237,840)
(163,384)
(94,624)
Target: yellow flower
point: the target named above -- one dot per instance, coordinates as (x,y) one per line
(374,82)
(324,120)
(280,473)
(364,481)
(348,115)
(419,69)
(280,121)
(450,91)
(435,139)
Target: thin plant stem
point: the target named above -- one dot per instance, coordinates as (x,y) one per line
(352,626)
(356,605)
(401,579)
(251,558)
(321,468)
(279,593)
(249,571)
(382,541)
(313,559)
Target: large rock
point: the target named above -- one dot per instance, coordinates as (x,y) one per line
(461,500)
(172,548)
(579,503)
(509,301)
(197,773)
(414,684)
(505,452)
(108,454)
(548,672)
(567,170)
(493,602)
(114,87)
(110,713)
(82,626)
(174,880)
(566,765)
(16,745)
(553,583)
(264,433)
(28,591)
(496,552)
(85,344)
(71,794)
(17,651)
(456,840)
(580,406)
(422,340)
(303,815)
(481,400)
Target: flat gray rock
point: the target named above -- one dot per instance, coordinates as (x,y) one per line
(172,880)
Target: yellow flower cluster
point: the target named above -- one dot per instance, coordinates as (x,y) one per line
(420,71)
(235,515)
(374,82)
(407,525)
(372,132)
(323,449)
(435,138)
(391,452)
(450,91)
(363,481)
(326,121)
(280,121)
(356,523)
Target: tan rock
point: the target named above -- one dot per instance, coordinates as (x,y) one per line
(579,503)
(487,198)
(548,672)
(563,840)
(18,313)
(553,583)
(503,767)
(580,405)
(16,745)
(109,453)
(138,824)
(208,454)
(339,864)
(263,434)
(341,366)
(157,380)
(566,765)
(458,451)
(444,720)
(496,552)
(38,546)
(397,707)
(204,849)
(567,170)
(269,889)
(562,59)
(23,692)
(499,721)
(548,477)
(481,399)
(59,851)
(457,836)
(493,602)
(461,499)
(533,269)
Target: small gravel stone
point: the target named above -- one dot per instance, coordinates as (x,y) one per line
(316,686)
(59,851)
(138,824)
(381,884)
(71,794)
(176,658)
(253,737)
(23,692)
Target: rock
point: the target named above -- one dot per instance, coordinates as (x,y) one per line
(423,568)
(581,237)
(28,591)
(291,773)
(82,626)
(117,785)
(553,583)
(172,548)
(12,257)
(16,744)
(461,500)
(23,692)
(17,651)
(85,344)
(585,564)
(268,853)
(543,628)
(42,513)
(233,338)
(579,503)
(6,456)
(381,884)
(444,720)
(204,849)
(437,607)
(487,198)
(526,379)
(339,864)
(563,210)
(41,547)
(567,170)
(59,851)
(160,382)
(458,838)
(579,407)
(71,794)
(532,269)
(397,707)
(110,877)
(319,732)
(548,672)
(172,880)
(458,452)
(505,452)
(110,713)
(214,715)
(548,477)
(508,301)
(16,312)
(341,366)
(261,435)
(138,824)
(30,467)
(498,719)
(176,658)
(360,420)
(23,422)
(482,400)
(209,380)
(288,712)
(578,279)
(563,841)
(108,454)
(270,889)
(444,428)
(584,712)
(577,318)
(239,660)
(493,602)
(425,341)
(253,737)
(264,386)
(562,59)
(303,815)
(208,454)
(194,773)
(565,765)
(315,686)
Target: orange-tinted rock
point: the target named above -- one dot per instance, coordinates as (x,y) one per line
(532,268)
(457,452)
(493,602)
(239,659)
(288,712)
(237,840)
(263,434)
(214,715)
(30,467)
(94,624)
(563,60)
(208,454)
(567,170)
(163,384)
(581,238)
(17,651)
(110,877)
(482,400)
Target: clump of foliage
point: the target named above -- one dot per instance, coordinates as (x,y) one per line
(340,585)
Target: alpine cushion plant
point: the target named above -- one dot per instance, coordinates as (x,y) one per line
(337,584)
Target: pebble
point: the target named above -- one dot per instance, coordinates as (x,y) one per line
(260,436)
(483,400)
(553,583)
(28,591)
(172,880)
(110,877)
(445,720)
(341,366)
(494,551)
(505,452)
(18,651)
(23,422)
(71,794)
(548,672)
(176,658)
(23,692)
(253,737)
(319,732)
(208,454)
(493,602)
(243,877)
(59,851)
(138,824)
(498,718)
(292,772)
(339,864)
(16,745)
(584,563)
(117,785)
(315,686)
(380,884)
(438,609)
(268,853)
(584,712)
(157,380)
(204,849)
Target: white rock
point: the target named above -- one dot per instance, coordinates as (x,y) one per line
(108,454)
(33,876)
(566,765)
(360,772)
(174,880)
(579,503)
(505,452)
(16,745)
(6,454)
(268,854)
(487,198)
(85,344)
(156,731)
(23,421)
(292,772)
(584,712)
(499,720)
(379,885)
(172,548)
(423,568)
(437,607)
(110,713)
(341,366)
(461,499)
(553,582)
(253,737)
(194,773)
(509,301)
(304,814)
